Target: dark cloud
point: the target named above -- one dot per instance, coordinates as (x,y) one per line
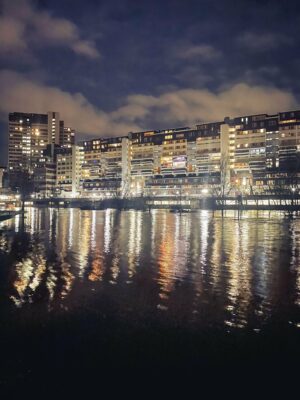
(120,65)
(22,26)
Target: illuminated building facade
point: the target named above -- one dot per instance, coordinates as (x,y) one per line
(68,170)
(248,154)
(45,172)
(102,166)
(27,138)
(265,151)
(29,134)
(244,154)
(54,127)
(66,135)
(162,161)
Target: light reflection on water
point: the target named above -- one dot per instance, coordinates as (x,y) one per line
(196,267)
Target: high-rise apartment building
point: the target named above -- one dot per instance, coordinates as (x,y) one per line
(45,172)
(68,170)
(29,135)
(54,127)
(66,135)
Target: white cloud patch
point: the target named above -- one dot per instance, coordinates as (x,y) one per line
(22,25)
(85,48)
(262,41)
(19,93)
(189,106)
(172,108)
(11,34)
(204,51)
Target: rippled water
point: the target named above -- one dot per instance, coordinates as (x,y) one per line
(193,272)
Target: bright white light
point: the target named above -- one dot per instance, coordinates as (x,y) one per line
(204,191)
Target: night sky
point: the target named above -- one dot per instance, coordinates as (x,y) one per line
(110,67)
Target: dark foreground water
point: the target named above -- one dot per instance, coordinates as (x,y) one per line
(82,292)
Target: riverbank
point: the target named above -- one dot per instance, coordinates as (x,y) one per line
(258,202)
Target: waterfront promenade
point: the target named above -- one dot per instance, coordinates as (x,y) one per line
(254,202)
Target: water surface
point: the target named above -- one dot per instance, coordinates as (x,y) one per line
(139,288)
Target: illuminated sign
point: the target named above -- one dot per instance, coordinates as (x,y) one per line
(179,162)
